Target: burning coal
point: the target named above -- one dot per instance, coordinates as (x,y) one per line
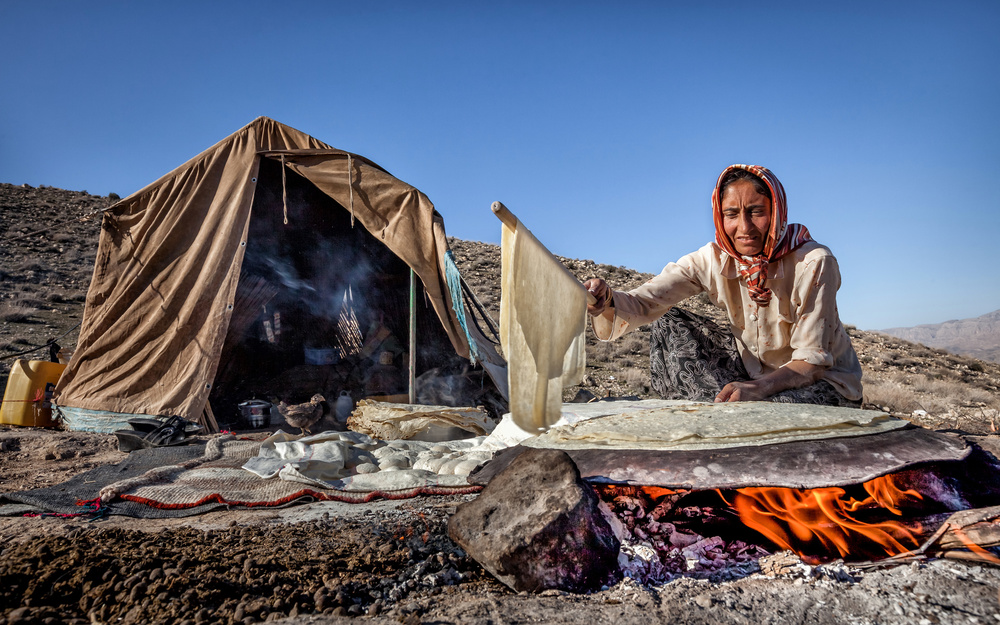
(722,534)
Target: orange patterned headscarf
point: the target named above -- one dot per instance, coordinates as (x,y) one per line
(782,237)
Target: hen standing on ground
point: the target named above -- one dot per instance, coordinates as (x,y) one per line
(302,416)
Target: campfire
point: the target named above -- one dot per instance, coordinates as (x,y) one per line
(655,492)
(723,533)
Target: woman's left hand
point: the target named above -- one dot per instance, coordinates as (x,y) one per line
(741,391)
(795,374)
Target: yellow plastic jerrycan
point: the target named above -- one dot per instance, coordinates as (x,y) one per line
(28,398)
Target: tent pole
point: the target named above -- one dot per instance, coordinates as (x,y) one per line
(413,336)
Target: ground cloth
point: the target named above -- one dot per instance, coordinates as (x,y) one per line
(62,498)
(307,470)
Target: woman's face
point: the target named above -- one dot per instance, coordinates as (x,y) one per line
(746,217)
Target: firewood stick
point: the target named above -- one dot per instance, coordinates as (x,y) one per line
(503,214)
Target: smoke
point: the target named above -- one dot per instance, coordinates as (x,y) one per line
(286,274)
(333,276)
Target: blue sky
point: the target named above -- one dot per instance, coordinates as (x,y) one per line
(602,125)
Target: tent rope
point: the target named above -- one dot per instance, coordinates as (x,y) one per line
(350,185)
(454,279)
(35,348)
(490,323)
(284,189)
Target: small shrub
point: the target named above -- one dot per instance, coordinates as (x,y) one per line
(16,312)
(602,351)
(636,378)
(634,343)
(30,265)
(27,300)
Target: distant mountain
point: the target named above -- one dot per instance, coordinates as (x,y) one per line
(978,337)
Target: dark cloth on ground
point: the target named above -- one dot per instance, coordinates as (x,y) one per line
(691,357)
(62,498)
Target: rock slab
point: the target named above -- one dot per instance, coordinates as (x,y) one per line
(538,526)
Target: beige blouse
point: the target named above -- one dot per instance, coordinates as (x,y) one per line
(801,322)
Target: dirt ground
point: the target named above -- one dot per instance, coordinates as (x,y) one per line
(387,561)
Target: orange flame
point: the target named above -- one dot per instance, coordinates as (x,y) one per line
(820,519)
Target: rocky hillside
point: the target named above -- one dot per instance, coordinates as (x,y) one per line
(47,249)
(45,275)
(978,337)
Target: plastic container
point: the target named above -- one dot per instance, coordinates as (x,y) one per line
(344,406)
(322,355)
(27,401)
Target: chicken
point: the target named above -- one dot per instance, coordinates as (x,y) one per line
(303,416)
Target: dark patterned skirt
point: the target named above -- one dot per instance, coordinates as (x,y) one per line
(692,358)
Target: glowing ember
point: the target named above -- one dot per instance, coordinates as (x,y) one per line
(823,520)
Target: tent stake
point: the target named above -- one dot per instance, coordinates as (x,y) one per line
(413,336)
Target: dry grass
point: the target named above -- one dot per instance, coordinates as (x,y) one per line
(636,378)
(30,265)
(56,296)
(27,300)
(936,392)
(16,312)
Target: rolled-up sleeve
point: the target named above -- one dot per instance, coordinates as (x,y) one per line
(650,301)
(816,331)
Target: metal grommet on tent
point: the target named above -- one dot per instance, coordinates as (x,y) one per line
(253,180)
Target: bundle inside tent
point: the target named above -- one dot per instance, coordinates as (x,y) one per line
(272,266)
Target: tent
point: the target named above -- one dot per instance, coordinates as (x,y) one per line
(263,249)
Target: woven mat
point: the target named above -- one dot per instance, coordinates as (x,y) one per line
(217,478)
(62,498)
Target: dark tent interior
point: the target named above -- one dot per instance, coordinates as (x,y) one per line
(323,307)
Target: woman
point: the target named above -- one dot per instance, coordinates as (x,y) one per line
(785,343)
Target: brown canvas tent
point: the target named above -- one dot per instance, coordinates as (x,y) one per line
(167,279)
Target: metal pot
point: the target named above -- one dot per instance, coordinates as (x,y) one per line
(256,412)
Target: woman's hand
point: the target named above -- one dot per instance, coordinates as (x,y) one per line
(601,292)
(741,391)
(795,374)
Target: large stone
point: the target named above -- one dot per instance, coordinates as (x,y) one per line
(538,526)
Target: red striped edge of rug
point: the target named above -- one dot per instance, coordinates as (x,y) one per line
(342,496)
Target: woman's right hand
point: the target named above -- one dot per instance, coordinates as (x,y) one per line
(601,292)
